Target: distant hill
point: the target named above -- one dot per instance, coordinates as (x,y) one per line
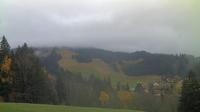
(138,63)
(138,66)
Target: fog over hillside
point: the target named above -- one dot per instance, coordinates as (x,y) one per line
(158,26)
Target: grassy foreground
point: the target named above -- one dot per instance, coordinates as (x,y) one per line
(19,107)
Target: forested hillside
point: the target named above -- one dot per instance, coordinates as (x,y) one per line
(131,64)
(93,77)
(121,67)
(139,63)
(24,79)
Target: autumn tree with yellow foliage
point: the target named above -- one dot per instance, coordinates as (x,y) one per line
(104,98)
(125,97)
(5,69)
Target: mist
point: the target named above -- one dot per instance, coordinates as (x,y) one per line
(158,26)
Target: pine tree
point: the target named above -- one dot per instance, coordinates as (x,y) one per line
(190,96)
(30,81)
(5,69)
(118,86)
(62,89)
(127,87)
(4,49)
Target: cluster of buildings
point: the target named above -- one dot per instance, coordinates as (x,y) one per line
(164,86)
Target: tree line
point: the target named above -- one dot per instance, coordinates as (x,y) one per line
(26,78)
(140,62)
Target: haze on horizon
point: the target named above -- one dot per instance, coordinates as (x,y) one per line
(158,26)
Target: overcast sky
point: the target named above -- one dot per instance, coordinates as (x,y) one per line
(158,26)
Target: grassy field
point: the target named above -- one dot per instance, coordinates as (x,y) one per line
(18,107)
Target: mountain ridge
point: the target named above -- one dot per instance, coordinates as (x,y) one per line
(149,63)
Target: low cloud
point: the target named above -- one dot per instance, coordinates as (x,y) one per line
(121,25)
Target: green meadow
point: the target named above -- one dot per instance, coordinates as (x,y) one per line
(19,107)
